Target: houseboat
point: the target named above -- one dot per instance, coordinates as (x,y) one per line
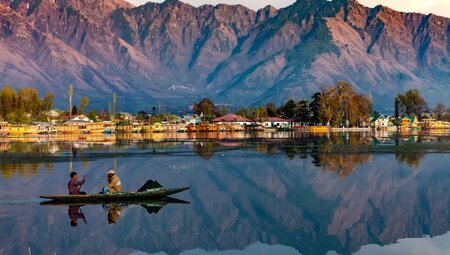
(67,129)
(318,129)
(124,128)
(20,130)
(153,128)
(191,128)
(5,128)
(129,128)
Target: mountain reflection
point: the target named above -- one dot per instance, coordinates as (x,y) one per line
(247,191)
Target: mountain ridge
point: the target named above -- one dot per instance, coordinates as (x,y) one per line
(175,53)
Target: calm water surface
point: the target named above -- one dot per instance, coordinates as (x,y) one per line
(284,193)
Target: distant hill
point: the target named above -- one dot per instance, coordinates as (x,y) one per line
(173,53)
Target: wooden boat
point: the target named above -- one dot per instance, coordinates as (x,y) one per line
(154,202)
(117,196)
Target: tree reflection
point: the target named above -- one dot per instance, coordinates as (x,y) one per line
(343,165)
(204,149)
(411,159)
(10,170)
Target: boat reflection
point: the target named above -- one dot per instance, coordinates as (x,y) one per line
(114,210)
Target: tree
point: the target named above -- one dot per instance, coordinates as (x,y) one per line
(74,110)
(70,92)
(329,106)
(92,115)
(244,112)
(223,110)
(83,104)
(29,101)
(341,103)
(205,107)
(47,102)
(440,111)
(290,109)
(142,116)
(114,104)
(8,100)
(302,110)
(271,109)
(314,107)
(259,113)
(412,103)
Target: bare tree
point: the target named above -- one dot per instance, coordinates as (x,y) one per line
(83,104)
(440,111)
(70,100)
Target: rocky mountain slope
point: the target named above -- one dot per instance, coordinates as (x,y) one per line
(175,53)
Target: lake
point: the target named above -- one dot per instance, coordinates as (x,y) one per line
(262,193)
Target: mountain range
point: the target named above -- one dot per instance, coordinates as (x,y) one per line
(173,54)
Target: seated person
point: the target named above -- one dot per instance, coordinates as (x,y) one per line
(114,184)
(74,185)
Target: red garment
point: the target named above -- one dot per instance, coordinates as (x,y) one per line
(74,186)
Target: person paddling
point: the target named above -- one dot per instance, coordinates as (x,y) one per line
(74,185)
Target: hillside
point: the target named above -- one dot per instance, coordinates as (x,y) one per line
(173,53)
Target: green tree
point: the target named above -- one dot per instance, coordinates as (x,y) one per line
(83,104)
(412,103)
(8,100)
(302,110)
(142,116)
(244,112)
(271,109)
(205,107)
(47,102)
(314,107)
(290,109)
(74,110)
(223,110)
(29,101)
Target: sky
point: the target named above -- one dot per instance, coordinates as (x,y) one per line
(440,7)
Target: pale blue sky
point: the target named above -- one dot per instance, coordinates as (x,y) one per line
(440,7)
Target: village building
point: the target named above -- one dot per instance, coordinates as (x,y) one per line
(126,116)
(232,119)
(80,118)
(379,121)
(410,122)
(192,119)
(274,122)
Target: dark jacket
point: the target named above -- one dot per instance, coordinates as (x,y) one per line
(74,186)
